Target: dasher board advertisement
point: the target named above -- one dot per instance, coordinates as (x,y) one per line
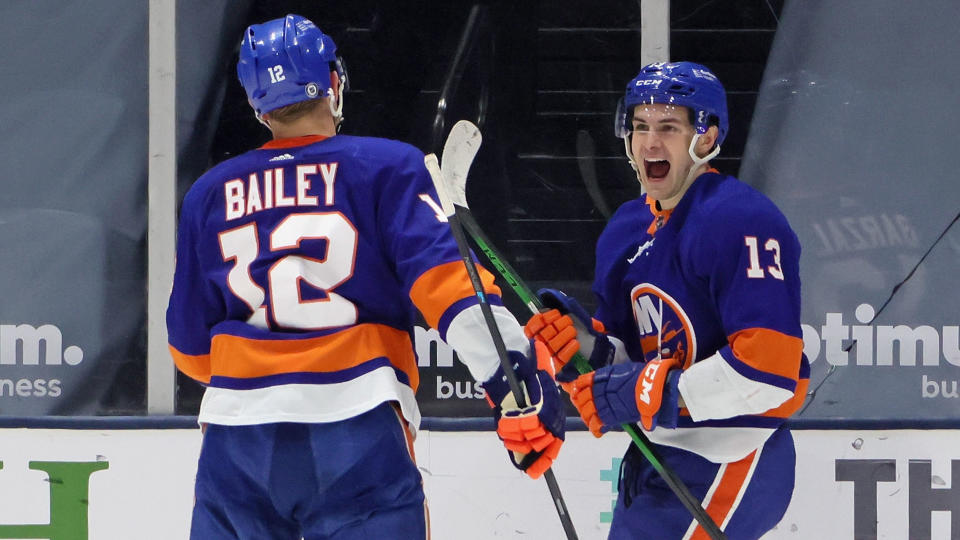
(107,484)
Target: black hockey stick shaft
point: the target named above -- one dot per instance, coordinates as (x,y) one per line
(583,366)
(458,154)
(518,394)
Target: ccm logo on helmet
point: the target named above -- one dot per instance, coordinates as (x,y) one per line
(649,82)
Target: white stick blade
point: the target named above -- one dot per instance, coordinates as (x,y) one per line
(459,150)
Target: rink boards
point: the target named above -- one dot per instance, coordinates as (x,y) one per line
(139,484)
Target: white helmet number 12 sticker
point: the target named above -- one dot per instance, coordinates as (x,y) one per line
(276,73)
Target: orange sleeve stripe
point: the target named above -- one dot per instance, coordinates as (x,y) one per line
(768,350)
(240,357)
(196,367)
(440,287)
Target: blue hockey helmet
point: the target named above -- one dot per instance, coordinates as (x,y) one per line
(685,84)
(286,61)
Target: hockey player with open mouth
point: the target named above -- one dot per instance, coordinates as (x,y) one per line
(697,333)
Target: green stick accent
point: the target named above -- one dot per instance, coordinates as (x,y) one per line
(533,302)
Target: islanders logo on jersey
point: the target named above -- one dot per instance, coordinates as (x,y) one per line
(664,328)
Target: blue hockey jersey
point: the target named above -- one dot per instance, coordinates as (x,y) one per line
(715,283)
(299,266)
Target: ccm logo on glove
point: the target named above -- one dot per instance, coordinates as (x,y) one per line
(650,388)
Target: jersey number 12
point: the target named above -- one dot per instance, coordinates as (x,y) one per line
(326,272)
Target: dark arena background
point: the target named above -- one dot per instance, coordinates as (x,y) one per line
(842,112)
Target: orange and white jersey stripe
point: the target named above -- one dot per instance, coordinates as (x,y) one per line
(300,267)
(715,284)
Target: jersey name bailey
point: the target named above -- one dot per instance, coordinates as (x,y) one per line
(268,189)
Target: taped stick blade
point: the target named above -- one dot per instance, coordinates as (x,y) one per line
(459,150)
(433,167)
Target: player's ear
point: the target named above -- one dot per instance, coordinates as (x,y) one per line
(707,141)
(335,82)
(336,90)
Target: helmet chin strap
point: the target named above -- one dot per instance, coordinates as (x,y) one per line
(633,164)
(336,105)
(697,161)
(258,115)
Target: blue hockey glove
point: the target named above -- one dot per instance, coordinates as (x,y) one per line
(532,435)
(627,393)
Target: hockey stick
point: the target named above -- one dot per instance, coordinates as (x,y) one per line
(457,165)
(585,160)
(448,208)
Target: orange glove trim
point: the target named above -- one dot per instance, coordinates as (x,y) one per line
(526,434)
(545,461)
(598,326)
(523,433)
(557,332)
(649,390)
(582,398)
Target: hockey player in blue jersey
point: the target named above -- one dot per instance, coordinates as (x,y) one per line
(697,334)
(299,267)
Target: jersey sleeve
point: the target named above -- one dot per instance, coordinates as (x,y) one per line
(751,263)
(417,237)
(192,309)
